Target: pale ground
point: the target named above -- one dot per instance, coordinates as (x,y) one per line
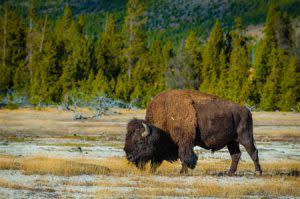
(38,137)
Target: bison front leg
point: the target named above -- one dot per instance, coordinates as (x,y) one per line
(154,165)
(235,153)
(188,158)
(184,169)
(185,141)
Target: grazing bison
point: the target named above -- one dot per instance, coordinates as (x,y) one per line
(178,120)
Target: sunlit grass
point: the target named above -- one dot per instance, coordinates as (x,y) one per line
(54,166)
(121,167)
(280,178)
(274,187)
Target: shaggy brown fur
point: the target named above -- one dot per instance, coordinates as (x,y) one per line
(156,147)
(193,118)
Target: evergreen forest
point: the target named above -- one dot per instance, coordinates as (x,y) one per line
(48,57)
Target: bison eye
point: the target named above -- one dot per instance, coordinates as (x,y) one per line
(140,142)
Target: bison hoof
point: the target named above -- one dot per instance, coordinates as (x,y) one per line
(184,170)
(191,162)
(231,173)
(258,173)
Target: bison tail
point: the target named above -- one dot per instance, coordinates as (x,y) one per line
(250,126)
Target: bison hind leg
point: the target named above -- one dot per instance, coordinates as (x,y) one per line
(235,153)
(253,153)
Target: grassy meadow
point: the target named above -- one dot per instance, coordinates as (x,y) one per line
(45,153)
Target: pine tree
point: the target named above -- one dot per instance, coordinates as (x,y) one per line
(270,29)
(167,52)
(100,84)
(192,59)
(21,79)
(239,65)
(35,36)
(211,59)
(222,87)
(134,26)
(77,57)
(277,41)
(30,37)
(148,76)
(269,97)
(109,58)
(13,49)
(122,90)
(45,81)
(66,29)
(279,31)
(63,24)
(286,33)
(261,69)
(87,86)
(4,69)
(177,74)
(263,52)
(289,87)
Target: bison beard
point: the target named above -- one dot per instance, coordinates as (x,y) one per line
(178,120)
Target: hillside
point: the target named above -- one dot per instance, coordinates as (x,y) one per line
(166,18)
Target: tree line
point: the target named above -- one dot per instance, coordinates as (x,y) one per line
(49,62)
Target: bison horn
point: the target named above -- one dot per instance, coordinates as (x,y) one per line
(147,130)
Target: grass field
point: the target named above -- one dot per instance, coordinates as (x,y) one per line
(47,154)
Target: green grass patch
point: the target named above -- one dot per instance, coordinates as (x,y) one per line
(11,106)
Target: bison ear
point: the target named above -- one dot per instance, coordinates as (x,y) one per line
(147,130)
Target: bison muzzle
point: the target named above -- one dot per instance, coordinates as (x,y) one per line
(178,120)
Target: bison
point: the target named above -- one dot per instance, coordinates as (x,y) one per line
(178,120)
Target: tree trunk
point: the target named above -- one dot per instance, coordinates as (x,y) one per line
(43,34)
(4,36)
(130,58)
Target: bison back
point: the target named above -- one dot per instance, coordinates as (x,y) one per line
(204,119)
(174,112)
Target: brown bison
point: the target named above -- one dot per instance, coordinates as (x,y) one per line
(178,120)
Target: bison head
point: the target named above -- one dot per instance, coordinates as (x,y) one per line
(140,142)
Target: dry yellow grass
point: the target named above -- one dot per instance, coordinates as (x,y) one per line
(280,178)
(54,122)
(276,180)
(55,166)
(60,167)
(7,163)
(273,188)
(276,118)
(149,187)
(60,123)
(121,167)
